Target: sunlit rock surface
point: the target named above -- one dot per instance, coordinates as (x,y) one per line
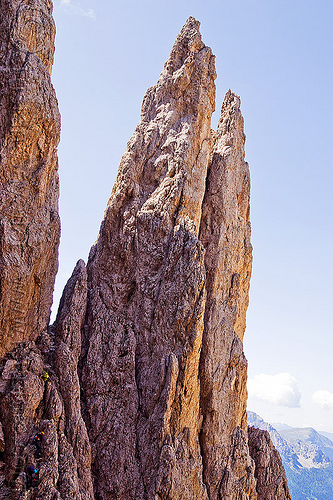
(29,135)
(163,370)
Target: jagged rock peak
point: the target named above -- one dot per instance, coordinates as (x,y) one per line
(162,302)
(146,292)
(188,42)
(175,114)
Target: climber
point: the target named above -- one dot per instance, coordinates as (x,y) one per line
(45,376)
(37,441)
(32,477)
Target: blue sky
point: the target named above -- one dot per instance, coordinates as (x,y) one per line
(277,55)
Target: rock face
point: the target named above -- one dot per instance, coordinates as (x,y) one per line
(30,405)
(146,280)
(139,388)
(163,371)
(29,237)
(225,233)
(29,135)
(271,478)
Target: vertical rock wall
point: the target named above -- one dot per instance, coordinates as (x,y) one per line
(29,238)
(29,135)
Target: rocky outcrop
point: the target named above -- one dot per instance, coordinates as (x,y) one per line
(138,391)
(163,371)
(40,392)
(29,135)
(29,237)
(288,456)
(269,472)
(73,436)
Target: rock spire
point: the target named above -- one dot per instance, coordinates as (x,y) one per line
(146,281)
(168,287)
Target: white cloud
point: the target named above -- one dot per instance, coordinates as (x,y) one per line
(324,399)
(280,389)
(73,7)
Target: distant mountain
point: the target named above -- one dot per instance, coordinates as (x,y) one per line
(286,451)
(311,447)
(307,457)
(280,427)
(311,484)
(329,435)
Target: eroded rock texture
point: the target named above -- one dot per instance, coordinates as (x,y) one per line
(29,135)
(163,369)
(146,280)
(269,472)
(146,395)
(225,234)
(30,405)
(29,237)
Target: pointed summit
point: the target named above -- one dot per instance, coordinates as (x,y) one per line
(146,292)
(187,42)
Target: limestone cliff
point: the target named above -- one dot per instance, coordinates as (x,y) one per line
(138,391)
(29,135)
(146,281)
(163,371)
(29,237)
